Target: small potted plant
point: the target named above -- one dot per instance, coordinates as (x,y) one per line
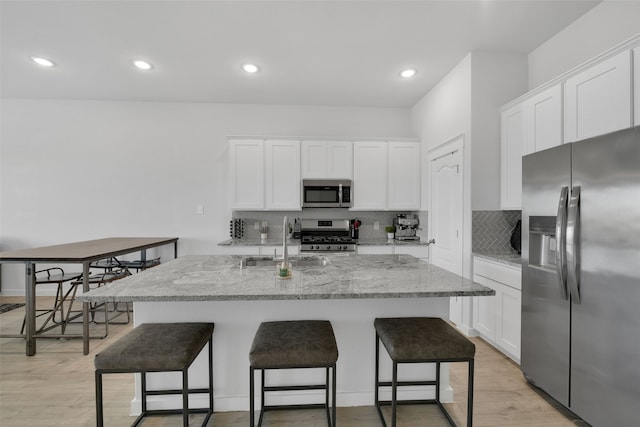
(390,229)
(264,231)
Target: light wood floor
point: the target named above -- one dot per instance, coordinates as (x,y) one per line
(56,388)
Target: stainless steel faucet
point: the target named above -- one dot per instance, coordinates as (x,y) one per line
(285,249)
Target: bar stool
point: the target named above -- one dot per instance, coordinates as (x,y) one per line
(292,345)
(57,276)
(421,340)
(158,347)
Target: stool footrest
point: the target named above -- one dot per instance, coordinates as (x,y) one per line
(295,387)
(176,391)
(406,383)
(298,406)
(408,402)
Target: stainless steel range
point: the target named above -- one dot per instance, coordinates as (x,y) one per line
(326,235)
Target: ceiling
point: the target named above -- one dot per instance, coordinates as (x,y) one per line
(336,52)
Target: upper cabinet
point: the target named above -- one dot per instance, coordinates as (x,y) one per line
(544,120)
(369,175)
(282,175)
(513,143)
(264,175)
(591,100)
(327,159)
(246,174)
(386,175)
(598,99)
(404,175)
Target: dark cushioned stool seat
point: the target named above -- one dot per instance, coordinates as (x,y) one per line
(158,347)
(421,340)
(288,345)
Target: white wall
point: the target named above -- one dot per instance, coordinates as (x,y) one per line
(606,25)
(440,116)
(496,78)
(78,170)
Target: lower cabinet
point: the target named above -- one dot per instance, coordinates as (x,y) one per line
(497,318)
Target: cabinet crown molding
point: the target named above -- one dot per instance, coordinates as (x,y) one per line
(628,44)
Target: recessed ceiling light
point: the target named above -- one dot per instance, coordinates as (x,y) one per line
(250,68)
(42,61)
(143,65)
(410,72)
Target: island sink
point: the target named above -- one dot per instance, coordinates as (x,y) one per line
(294,261)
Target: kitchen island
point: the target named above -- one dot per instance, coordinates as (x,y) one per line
(349,290)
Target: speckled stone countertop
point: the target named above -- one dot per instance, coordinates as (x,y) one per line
(383,241)
(512,259)
(347,276)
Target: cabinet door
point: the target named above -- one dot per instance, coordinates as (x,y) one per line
(282,175)
(484,311)
(314,159)
(404,176)
(513,141)
(369,175)
(246,174)
(598,100)
(544,120)
(340,159)
(636,85)
(509,315)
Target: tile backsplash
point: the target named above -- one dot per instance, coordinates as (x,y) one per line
(491,230)
(367,229)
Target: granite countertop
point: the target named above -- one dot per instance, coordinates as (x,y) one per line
(382,241)
(509,258)
(347,276)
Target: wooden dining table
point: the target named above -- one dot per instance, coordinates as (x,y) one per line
(74,253)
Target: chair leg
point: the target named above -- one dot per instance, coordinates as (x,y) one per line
(251,398)
(99,411)
(185,397)
(470,394)
(333,386)
(394,394)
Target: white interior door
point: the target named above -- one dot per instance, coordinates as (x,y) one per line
(445,213)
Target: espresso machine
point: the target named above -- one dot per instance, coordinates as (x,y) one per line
(406,226)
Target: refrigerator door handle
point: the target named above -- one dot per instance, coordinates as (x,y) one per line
(561,230)
(573,244)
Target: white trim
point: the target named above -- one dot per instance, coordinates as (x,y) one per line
(629,44)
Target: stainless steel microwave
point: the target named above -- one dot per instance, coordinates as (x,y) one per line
(326,193)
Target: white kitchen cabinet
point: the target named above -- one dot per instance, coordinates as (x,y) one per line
(636,85)
(327,159)
(544,120)
(598,99)
(246,174)
(497,318)
(282,175)
(264,175)
(369,175)
(404,175)
(513,142)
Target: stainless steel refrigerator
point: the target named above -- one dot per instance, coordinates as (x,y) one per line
(581,276)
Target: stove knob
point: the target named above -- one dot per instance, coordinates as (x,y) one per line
(318,247)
